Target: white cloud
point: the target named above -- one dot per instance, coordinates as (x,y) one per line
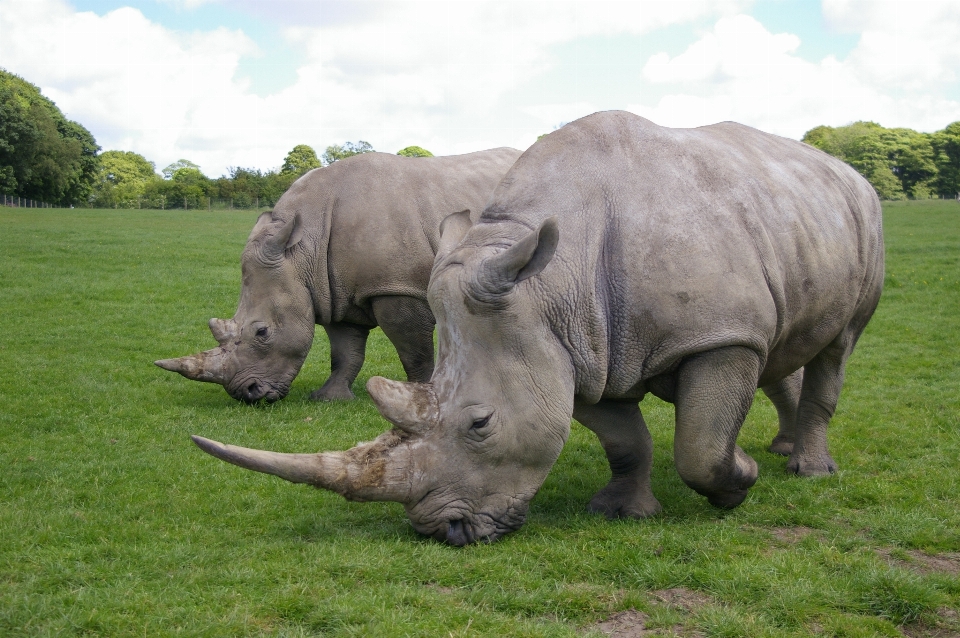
(445,75)
(394,73)
(740,71)
(904,45)
(135,84)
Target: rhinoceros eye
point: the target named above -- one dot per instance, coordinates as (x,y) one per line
(262,331)
(480,423)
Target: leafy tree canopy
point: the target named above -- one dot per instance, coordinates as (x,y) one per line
(337,152)
(43,155)
(414,151)
(125,167)
(898,162)
(170,170)
(300,160)
(122,179)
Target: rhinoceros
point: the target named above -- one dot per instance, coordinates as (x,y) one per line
(617,258)
(349,247)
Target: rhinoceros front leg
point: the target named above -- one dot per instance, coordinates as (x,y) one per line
(822,381)
(629,447)
(714,392)
(408,324)
(348,344)
(785,395)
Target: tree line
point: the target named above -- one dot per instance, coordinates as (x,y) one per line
(128,180)
(46,157)
(900,163)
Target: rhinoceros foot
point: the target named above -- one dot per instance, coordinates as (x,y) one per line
(781,445)
(812,465)
(731,492)
(333,392)
(622,499)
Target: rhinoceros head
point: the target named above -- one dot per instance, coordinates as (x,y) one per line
(265,343)
(469,449)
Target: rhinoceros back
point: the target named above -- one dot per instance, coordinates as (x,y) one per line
(677,241)
(372,223)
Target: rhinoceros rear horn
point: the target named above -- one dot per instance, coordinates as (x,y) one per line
(526,258)
(206,366)
(409,406)
(224,330)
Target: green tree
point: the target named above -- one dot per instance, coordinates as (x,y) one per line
(43,155)
(122,180)
(946,156)
(300,160)
(187,188)
(897,162)
(414,151)
(337,152)
(176,166)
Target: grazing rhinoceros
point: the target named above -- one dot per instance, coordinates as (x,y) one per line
(349,247)
(618,258)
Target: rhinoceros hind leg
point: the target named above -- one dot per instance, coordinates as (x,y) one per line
(408,324)
(822,381)
(629,447)
(348,344)
(785,395)
(714,392)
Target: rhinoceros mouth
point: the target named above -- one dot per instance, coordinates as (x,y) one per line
(459,527)
(255,390)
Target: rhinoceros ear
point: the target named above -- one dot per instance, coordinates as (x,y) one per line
(528,257)
(452,229)
(279,235)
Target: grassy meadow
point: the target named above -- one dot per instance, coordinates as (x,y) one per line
(112,523)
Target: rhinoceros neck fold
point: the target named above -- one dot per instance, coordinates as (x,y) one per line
(366,472)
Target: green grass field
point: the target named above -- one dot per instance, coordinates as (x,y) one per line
(113,524)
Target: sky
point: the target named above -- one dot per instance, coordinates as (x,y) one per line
(226,83)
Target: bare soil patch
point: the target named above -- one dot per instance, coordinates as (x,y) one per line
(948,626)
(632,623)
(791,535)
(686,599)
(948,563)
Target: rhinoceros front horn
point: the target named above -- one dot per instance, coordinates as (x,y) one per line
(375,471)
(409,406)
(206,366)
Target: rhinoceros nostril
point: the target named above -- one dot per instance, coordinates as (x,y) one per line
(457,534)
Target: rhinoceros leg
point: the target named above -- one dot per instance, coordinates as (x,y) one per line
(822,380)
(713,395)
(408,324)
(629,447)
(348,344)
(785,395)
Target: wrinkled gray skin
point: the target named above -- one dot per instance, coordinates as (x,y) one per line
(618,258)
(349,247)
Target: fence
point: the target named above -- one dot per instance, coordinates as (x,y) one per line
(23,202)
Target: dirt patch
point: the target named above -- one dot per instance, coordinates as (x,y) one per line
(918,561)
(632,624)
(625,624)
(791,535)
(948,626)
(682,598)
